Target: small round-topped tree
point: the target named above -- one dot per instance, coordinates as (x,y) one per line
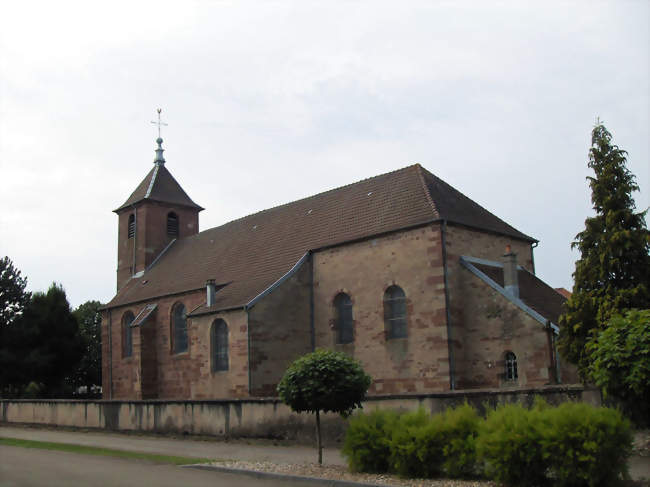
(326,381)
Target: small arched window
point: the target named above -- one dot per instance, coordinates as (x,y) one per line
(179,328)
(511,366)
(344,321)
(219,345)
(395,312)
(131,230)
(127,334)
(172,224)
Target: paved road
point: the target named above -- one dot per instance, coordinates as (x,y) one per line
(26,467)
(222,450)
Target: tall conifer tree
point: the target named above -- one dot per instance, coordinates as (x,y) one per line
(613,272)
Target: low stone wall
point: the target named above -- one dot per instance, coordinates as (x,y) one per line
(253,418)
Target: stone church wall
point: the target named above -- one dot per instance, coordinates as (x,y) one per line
(465,241)
(280,331)
(493,325)
(231,383)
(411,259)
(154,371)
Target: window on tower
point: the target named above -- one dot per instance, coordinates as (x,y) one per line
(131,231)
(172,224)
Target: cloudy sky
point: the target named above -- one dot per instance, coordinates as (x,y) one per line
(269,102)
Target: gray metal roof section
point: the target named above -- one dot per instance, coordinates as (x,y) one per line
(467,262)
(277,283)
(144,313)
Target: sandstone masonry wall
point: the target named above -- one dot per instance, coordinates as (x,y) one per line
(280,331)
(411,259)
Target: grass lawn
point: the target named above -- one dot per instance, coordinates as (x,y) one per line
(107,452)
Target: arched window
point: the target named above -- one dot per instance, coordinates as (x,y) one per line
(131,231)
(172,224)
(219,345)
(127,334)
(395,312)
(344,321)
(511,366)
(179,328)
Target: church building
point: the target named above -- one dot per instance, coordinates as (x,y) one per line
(427,289)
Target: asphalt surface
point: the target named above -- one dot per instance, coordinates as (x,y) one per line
(26,467)
(218,450)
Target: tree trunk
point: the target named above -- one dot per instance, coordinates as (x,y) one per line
(320,444)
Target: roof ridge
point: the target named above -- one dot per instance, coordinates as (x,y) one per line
(151,183)
(427,193)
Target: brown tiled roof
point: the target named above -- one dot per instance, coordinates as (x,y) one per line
(534,292)
(159,185)
(248,255)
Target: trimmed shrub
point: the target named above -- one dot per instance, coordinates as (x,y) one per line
(585,445)
(367,441)
(460,430)
(509,445)
(404,459)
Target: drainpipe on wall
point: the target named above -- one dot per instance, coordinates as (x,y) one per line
(110,354)
(532,254)
(450,345)
(312,329)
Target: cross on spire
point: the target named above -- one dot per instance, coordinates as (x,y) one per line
(159,122)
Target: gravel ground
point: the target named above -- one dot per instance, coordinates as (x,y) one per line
(335,472)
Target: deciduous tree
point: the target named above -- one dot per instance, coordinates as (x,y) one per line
(326,381)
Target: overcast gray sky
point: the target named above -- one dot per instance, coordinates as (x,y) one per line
(269,102)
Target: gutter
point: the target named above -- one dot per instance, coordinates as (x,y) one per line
(110,354)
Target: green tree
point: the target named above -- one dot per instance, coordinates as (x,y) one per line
(49,342)
(326,381)
(13,299)
(620,361)
(13,296)
(613,272)
(89,370)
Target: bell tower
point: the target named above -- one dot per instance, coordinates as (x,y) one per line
(156,214)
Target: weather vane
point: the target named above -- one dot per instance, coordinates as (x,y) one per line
(159,123)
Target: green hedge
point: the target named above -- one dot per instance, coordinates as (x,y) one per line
(367,441)
(574,444)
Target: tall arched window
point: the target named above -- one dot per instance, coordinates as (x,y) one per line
(219,345)
(172,224)
(131,230)
(395,312)
(511,366)
(179,328)
(344,321)
(127,334)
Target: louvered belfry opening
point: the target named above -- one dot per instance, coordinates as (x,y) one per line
(172,224)
(131,231)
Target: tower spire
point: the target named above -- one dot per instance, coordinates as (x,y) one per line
(159,160)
